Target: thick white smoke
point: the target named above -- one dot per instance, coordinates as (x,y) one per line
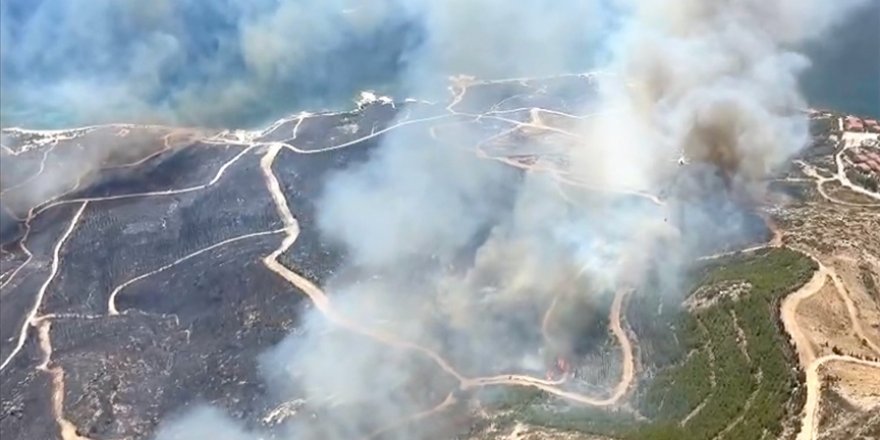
(207,63)
(714,82)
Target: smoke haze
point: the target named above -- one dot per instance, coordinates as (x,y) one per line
(240,63)
(193,62)
(457,254)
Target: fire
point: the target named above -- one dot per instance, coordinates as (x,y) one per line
(559,369)
(561,364)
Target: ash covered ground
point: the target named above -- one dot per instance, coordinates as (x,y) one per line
(144,289)
(666,249)
(140,284)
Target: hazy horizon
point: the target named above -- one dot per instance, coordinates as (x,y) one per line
(236,89)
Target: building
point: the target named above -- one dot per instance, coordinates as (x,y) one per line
(852,123)
(865,160)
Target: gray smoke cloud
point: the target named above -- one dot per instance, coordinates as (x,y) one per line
(51,164)
(462,255)
(207,63)
(241,62)
(449,177)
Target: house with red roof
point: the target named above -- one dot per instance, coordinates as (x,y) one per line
(852,123)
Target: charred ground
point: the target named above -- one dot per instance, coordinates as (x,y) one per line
(148,272)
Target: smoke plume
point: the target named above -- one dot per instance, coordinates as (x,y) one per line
(194,62)
(460,255)
(241,62)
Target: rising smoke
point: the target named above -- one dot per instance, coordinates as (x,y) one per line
(241,62)
(712,81)
(227,62)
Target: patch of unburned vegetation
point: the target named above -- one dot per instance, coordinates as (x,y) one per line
(709,295)
(870,283)
(734,371)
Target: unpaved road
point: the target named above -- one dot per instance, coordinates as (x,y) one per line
(788,312)
(291,231)
(851,139)
(806,353)
(810,422)
(324,306)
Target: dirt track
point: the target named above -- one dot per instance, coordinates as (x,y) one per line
(324,306)
(802,343)
(320,300)
(810,423)
(806,352)
(805,348)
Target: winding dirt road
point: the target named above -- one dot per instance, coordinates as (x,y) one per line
(805,349)
(788,309)
(809,429)
(444,405)
(851,140)
(291,232)
(806,353)
(111,303)
(38,302)
(810,171)
(66,428)
(788,313)
(323,304)
(810,423)
(39,209)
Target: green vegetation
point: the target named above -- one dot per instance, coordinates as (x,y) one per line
(679,397)
(863,180)
(751,390)
(868,281)
(823,126)
(800,191)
